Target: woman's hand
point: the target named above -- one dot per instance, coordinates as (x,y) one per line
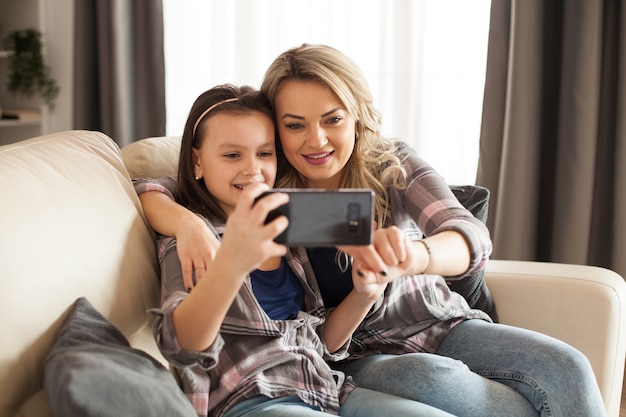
(391,252)
(196,246)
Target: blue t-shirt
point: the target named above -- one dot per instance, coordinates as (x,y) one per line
(279,292)
(334,285)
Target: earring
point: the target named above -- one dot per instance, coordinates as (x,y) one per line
(198,178)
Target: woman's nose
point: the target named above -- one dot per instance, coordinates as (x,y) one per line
(317,137)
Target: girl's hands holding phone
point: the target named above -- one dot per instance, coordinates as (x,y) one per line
(247,240)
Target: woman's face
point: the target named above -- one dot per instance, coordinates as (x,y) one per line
(316,132)
(236,151)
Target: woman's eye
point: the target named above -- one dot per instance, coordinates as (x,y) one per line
(293,126)
(334,120)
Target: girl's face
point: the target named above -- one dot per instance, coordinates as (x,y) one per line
(236,151)
(316,132)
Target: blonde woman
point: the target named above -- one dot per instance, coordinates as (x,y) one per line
(420,340)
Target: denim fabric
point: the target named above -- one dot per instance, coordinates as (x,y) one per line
(483,369)
(360,403)
(555,377)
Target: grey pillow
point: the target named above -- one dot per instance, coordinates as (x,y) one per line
(91,370)
(473,287)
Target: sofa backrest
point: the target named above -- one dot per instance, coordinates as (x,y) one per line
(71,225)
(152,157)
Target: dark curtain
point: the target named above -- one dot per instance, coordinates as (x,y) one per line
(553,139)
(119,85)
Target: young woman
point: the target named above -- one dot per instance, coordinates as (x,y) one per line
(245,339)
(420,340)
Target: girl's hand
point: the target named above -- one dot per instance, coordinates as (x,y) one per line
(247,240)
(367,284)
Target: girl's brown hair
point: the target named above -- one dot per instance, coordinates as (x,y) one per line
(192,192)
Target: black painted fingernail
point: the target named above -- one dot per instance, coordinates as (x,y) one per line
(188,290)
(383,273)
(361,274)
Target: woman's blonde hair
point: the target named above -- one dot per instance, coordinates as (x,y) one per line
(373,163)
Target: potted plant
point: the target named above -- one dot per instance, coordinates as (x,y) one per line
(29,75)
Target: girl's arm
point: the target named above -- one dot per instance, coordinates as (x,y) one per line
(344,319)
(246,243)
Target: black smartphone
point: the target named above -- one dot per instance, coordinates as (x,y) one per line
(320,217)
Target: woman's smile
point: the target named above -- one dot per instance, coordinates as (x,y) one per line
(318,158)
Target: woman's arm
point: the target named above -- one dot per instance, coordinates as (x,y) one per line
(196,244)
(452,231)
(445,253)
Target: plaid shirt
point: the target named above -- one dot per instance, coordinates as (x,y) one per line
(417,312)
(253,354)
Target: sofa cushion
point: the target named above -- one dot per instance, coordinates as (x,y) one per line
(72,226)
(152,157)
(91,370)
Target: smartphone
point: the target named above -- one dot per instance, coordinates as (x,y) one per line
(320,217)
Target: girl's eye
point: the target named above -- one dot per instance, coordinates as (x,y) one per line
(231,155)
(266,154)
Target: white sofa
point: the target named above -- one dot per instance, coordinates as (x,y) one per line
(72,226)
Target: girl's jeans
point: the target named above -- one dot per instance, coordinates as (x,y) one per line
(483,369)
(360,403)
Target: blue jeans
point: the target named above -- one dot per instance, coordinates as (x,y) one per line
(483,369)
(360,403)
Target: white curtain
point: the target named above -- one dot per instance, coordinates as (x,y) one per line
(424,59)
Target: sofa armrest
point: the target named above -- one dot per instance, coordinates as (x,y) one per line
(584,306)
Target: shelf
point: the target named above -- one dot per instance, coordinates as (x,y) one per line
(18,123)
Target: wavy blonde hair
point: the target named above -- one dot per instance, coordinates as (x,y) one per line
(373,163)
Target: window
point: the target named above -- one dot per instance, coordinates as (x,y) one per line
(424,59)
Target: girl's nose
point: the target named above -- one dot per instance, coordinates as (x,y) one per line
(251,167)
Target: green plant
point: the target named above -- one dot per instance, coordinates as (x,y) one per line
(28,73)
